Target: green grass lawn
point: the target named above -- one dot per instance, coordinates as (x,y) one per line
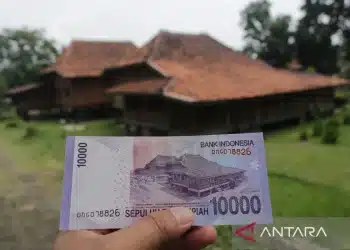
(306,178)
(44,152)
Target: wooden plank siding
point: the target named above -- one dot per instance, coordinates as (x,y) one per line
(79,93)
(42,97)
(157,112)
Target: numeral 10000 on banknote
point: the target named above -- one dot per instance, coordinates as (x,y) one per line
(234,205)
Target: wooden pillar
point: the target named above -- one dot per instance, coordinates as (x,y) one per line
(169,111)
(194,116)
(228,119)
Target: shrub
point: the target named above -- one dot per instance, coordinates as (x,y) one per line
(64,134)
(331,131)
(12,124)
(303,136)
(347,118)
(30,132)
(317,129)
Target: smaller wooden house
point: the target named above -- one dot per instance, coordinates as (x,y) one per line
(77,74)
(74,80)
(33,96)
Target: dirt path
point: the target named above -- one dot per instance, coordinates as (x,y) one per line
(28,210)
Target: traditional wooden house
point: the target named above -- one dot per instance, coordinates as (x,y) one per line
(192,174)
(33,96)
(192,84)
(74,79)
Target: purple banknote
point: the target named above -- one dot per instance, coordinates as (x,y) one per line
(109,182)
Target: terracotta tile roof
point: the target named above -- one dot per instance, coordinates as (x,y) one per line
(232,80)
(144,86)
(202,69)
(90,58)
(22,88)
(185,47)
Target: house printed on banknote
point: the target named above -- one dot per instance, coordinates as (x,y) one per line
(189,175)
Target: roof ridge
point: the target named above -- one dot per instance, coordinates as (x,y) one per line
(101,41)
(183,33)
(155,46)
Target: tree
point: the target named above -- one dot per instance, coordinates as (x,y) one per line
(255,20)
(3,89)
(23,53)
(344,62)
(3,85)
(279,44)
(267,38)
(319,26)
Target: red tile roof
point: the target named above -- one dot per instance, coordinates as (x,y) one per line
(202,69)
(90,58)
(232,80)
(179,47)
(21,89)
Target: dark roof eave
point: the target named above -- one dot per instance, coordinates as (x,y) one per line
(158,92)
(144,61)
(112,68)
(14,93)
(51,72)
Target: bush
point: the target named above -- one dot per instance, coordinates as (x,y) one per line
(317,129)
(347,118)
(303,136)
(331,131)
(30,132)
(64,134)
(12,124)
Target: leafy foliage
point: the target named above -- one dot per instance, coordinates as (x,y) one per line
(12,124)
(3,88)
(320,39)
(267,38)
(30,132)
(331,132)
(347,118)
(23,53)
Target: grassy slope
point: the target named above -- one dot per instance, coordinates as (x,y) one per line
(309,179)
(306,179)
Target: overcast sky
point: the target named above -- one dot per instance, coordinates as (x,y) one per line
(135,20)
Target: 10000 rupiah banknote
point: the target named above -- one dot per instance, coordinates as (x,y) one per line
(109,182)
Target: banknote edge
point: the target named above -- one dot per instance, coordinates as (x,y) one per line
(67,183)
(266,184)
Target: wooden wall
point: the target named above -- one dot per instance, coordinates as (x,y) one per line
(236,115)
(39,98)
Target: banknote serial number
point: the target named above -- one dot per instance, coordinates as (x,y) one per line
(99,213)
(82,153)
(232,151)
